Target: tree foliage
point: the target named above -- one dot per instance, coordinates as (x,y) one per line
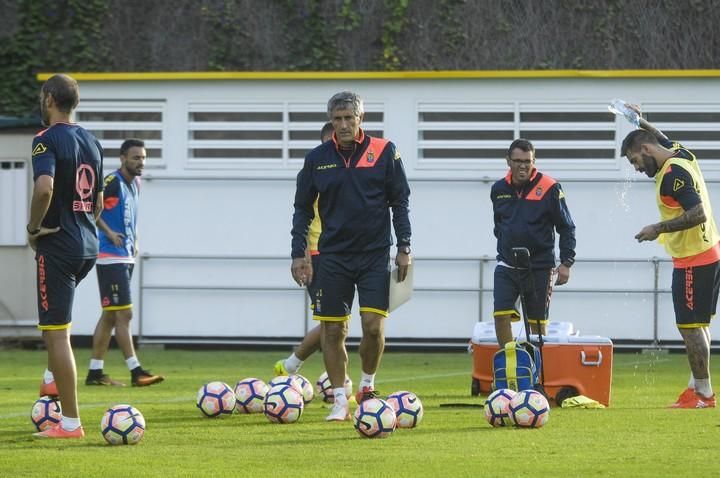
(347,35)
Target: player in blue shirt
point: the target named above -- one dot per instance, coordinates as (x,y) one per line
(117,226)
(311,342)
(67,198)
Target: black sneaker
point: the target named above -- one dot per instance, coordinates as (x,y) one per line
(97,377)
(143,378)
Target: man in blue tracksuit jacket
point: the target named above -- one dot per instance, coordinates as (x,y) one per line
(528,208)
(357,181)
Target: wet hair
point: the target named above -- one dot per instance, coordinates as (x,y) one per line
(326,130)
(523,145)
(64,90)
(345,100)
(636,138)
(131,143)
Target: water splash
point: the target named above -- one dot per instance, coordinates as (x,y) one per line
(623,188)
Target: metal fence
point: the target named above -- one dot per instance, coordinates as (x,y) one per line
(480,289)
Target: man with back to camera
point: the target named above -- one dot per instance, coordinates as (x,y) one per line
(117,233)
(356,179)
(67,198)
(690,236)
(528,207)
(311,342)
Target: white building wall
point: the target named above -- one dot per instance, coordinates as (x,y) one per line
(17,273)
(215,234)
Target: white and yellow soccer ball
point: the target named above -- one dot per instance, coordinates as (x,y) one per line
(45,413)
(325,391)
(408,408)
(374,418)
(307,390)
(216,399)
(497,407)
(283,404)
(529,409)
(122,425)
(250,395)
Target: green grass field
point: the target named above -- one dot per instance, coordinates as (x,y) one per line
(636,436)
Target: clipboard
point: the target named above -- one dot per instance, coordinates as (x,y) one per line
(400,292)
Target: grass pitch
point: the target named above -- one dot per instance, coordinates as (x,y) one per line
(636,436)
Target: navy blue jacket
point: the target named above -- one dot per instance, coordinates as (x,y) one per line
(529,218)
(354,198)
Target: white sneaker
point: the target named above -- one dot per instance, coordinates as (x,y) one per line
(339,413)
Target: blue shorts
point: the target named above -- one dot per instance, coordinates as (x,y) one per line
(114,285)
(537,290)
(57,278)
(339,274)
(695,294)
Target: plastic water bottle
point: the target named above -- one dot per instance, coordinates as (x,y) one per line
(621,108)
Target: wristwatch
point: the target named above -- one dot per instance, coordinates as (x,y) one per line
(33,232)
(404,249)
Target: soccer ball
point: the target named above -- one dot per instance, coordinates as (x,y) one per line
(529,409)
(250,394)
(408,409)
(307,390)
(45,413)
(122,425)
(291,381)
(283,404)
(497,407)
(324,388)
(374,418)
(215,399)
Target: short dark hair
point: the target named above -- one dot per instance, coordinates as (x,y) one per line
(131,143)
(64,90)
(521,144)
(326,129)
(636,138)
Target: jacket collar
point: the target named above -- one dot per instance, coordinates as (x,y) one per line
(358,140)
(533,175)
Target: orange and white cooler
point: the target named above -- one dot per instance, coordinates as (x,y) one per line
(573,364)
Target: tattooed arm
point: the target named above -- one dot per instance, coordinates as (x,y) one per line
(690,218)
(647,126)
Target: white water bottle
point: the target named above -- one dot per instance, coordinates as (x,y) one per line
(621,108)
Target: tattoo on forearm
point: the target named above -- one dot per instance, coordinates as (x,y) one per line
(690,218)
(644,124)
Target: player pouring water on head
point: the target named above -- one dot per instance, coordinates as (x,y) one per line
(690,236)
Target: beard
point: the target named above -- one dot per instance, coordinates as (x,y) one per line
(649,165)
(44,115)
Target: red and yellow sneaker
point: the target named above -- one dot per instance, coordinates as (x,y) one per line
(365,393)
(58,431)
(49,389)
(694,400)
(143,378)
(684,397)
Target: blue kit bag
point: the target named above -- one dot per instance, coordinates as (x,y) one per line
(516,366)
